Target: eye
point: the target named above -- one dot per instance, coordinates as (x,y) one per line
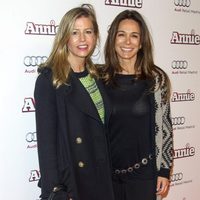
(90,31)
(74,32)
(120,34)
(135,35)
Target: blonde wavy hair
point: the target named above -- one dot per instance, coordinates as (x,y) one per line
(58,58)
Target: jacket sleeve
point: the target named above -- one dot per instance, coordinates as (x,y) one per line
(167,145)
(46,123)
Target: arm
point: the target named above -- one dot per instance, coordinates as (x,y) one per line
(167,145)
(46,122)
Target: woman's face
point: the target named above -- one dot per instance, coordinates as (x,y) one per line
(127,41)
(82,40)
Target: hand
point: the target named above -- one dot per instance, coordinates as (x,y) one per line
(162,185)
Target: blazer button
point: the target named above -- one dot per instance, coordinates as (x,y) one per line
(81,164)
(78,140)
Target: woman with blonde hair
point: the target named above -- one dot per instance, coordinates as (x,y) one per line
(71,114)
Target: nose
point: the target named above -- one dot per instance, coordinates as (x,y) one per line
(128,39)
(82,37)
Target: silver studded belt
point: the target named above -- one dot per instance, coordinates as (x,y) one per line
(136,166)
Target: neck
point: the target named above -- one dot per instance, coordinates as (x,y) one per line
(78,68)
(77,65)
(127,66)
(127,70)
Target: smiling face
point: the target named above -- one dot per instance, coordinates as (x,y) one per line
(82,39)
(127,41)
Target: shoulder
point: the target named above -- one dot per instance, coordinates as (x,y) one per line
(162,84)
(44,82)
(45,72)
(44,75)
(161,77)
(159,72)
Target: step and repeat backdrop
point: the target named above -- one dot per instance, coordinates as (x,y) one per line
(27,32)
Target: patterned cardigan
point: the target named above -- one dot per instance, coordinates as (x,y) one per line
(163,125)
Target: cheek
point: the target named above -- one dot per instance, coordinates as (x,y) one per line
(139,44)
(117,50)
(72,41)
(119,40)
(117,43)
(92,42)
(116,47)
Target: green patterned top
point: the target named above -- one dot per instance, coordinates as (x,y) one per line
(91,87)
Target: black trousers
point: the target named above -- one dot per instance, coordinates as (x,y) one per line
(134,189)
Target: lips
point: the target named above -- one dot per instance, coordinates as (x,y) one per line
(82,47)
(126,49)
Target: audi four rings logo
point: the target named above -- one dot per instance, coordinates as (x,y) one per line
(179,64)
(176,177)
(34,60)
(31,137)
(184,3)
(178,120)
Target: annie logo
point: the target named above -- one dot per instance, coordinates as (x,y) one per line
(178,97)
(34,175)
(29,105)
(41,29)
(187,151)
(125,3)
(181,38)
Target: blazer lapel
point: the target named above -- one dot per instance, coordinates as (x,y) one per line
(106,101)
(77,95)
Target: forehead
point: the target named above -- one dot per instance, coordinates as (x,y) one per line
(129,25)
(83,21)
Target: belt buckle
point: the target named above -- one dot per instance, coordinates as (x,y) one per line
(137,166)
(144,161)
(117,171)
(130,169)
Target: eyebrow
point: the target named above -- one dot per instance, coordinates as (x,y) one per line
(125,32)
(84,29)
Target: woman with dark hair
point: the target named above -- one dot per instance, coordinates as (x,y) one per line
(140,128)
(71,113)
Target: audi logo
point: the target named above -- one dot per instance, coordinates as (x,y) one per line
(184,3)
(31,137)
(34,60)
(179,64)
(178,120)
(176,177)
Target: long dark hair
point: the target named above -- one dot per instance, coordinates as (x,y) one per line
(144,66)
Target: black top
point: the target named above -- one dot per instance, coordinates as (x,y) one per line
(84,73)
(129,125)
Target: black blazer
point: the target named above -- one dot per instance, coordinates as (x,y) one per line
(72,146)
